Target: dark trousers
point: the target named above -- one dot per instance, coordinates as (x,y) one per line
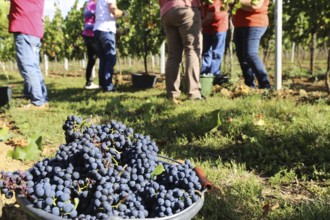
(92,54)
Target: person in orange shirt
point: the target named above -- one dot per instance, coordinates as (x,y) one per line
(214,29)
(250,23)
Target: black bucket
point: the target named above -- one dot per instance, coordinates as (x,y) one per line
(143,81)
(5,95)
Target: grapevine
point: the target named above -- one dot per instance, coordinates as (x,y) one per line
(105,170)
(230,4)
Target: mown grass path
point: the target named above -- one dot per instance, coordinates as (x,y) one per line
(266,152)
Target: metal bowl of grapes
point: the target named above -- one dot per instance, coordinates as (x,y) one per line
(107,171)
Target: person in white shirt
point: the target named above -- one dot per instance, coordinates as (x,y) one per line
(104,33)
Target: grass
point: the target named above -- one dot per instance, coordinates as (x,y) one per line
(267,156)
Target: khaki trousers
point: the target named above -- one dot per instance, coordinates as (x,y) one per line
(182,26)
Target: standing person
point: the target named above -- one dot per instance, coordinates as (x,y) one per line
(182,25)
(104,32)
(214,29)
(26,23)
(92,48)
(250,24)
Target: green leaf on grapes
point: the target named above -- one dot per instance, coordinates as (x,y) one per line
(30,152)
(158,170)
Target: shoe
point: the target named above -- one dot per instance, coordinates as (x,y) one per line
(36,107)
(194,98)
(200,98)
(92,86)
(112,90)
(219,80)
(176,101)
(109,88)
(267,87)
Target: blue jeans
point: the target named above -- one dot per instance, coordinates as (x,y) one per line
(213,50)
(247,41)
(27,56)
(107,56)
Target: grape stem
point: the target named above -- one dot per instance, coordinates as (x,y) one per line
(120,202)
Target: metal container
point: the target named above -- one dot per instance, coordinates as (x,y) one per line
(39,214)
(186,214)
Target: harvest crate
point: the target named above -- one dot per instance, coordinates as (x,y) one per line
(143,81)
(5,95)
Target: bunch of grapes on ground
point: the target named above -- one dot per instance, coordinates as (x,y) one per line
(105,170)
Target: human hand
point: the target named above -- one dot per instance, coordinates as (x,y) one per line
(125,13)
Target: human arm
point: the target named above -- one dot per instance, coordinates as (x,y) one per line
(88,13)
(115,11)
(209,12)
(208,19)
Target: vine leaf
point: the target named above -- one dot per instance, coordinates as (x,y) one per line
(30,152)
(219,123)
(158,170)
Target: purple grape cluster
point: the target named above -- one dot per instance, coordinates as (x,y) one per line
(106,170)
(10,181)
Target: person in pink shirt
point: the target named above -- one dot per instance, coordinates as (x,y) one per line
(26,23)
(90,42)
(182,24)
